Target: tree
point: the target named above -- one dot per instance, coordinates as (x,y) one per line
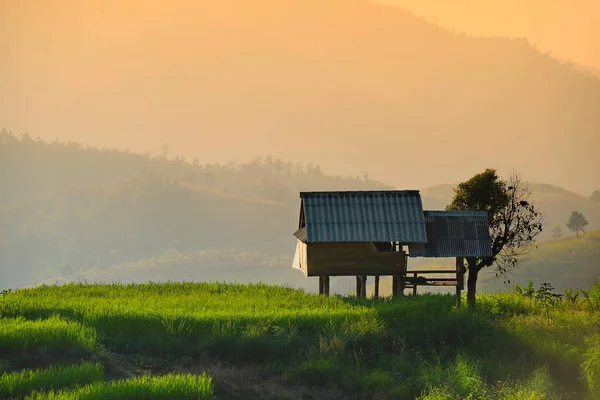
(577,222)
(596,196)
(514,222)
(557,233)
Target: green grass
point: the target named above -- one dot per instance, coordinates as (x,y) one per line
(160,387)
(513,347)
(24,341)
(19,384)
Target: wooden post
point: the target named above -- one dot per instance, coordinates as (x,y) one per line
(460,279)
(403,269)
(326,284)
(415,284)
(395,285)
(321,284)
(363,287)
(376,288)
(358,286)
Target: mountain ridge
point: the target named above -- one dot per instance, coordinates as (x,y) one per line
(348,85)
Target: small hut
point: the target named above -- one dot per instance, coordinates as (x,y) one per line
(373,233)
(359,233)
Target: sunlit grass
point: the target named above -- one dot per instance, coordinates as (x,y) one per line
(22,339)
(197,387)
(19,384)
(511,348)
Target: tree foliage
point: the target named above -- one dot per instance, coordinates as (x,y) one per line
(557,233)
(577,222)
(514,221)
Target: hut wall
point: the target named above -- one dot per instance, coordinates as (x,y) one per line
(348,259)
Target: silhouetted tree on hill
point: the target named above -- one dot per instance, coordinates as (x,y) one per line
(577,222)
(596,196)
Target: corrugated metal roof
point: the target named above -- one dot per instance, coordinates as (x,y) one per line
(454,234)
(364,216)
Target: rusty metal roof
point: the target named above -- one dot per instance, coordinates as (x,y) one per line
(454,234)
(364,216)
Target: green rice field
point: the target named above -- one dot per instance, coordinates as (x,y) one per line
(215,340)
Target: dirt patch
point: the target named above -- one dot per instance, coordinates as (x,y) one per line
(231,382)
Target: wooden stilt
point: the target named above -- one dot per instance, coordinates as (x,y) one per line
(460,279)
(326,287)
(363,287)
(395,285)
(321,284)
(376,288)
(403,272)
(415,284)
(358,286)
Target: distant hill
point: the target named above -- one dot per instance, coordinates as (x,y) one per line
(566,263)
(351,85)
(70,211)
(593,71)
(202,266)
(65,208)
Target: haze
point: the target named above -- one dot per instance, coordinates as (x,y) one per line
(568,30)
(349,85)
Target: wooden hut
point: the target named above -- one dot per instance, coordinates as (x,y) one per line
(368,233)
(360,233)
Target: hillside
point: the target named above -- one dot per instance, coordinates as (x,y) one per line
(346,84)
(65,209)
(568,262)
(530,19)
(69,212)
(225,341)
(217,265)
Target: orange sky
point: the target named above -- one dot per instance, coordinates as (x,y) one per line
(568,29)
(340,83)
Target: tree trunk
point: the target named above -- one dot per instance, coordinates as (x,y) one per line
(472,286)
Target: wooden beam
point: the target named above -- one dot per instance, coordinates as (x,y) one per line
(403,269)
(432,271)
(363,287)
(420,279)
(460,273)
(395,285)
(321,284)
(358,285)
(415,285)
(376,289)
(326,288)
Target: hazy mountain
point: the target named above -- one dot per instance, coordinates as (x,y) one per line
(86,213)
(567,29)
(351,85)
(65,209)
